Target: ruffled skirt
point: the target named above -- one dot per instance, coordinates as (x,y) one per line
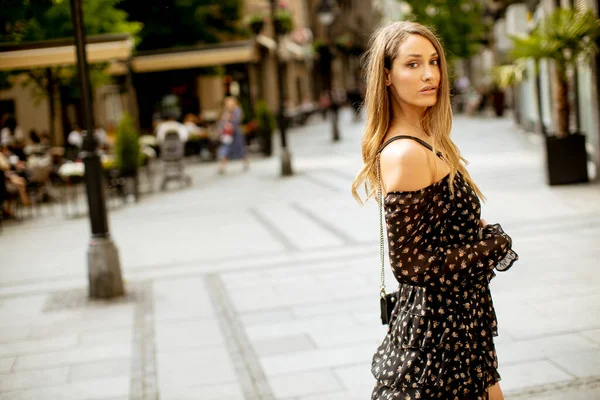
(438,345)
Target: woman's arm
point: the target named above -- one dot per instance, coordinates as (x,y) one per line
(406,169)
(415,259)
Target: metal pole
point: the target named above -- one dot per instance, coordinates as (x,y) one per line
(334,105)
(104,269)
(286,162)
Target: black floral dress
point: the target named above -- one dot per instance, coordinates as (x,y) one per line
(439,343)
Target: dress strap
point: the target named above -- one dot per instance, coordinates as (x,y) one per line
(419,140)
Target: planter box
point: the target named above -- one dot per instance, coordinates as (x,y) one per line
(566,160)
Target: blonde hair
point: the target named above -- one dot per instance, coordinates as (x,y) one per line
(436,122)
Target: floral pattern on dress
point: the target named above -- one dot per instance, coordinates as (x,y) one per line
(439,343)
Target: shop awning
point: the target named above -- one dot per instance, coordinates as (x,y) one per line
(195,57)
(49,53)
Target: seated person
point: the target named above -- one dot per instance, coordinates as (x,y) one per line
(14,183)
(171,124)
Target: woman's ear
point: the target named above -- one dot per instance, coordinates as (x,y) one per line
(388,77)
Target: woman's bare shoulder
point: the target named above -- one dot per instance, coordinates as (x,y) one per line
(405,166)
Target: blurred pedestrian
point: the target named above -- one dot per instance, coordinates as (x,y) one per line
(439,342)
(75,137)
(171,124)
(232,140)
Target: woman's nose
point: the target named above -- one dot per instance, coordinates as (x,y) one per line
(427,73)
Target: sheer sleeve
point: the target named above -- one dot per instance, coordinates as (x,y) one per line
(417,257)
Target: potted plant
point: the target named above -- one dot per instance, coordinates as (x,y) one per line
(256,22)
(565,37)
(284,21)
(266,126)
(504,77)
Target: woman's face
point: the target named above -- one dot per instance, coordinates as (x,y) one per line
(415,75)
(230,104)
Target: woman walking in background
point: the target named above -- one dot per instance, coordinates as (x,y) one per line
(439,343)
(233,142)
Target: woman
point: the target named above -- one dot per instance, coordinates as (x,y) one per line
(439,343)
(233,142)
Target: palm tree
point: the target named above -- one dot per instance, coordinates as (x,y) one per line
(567,36)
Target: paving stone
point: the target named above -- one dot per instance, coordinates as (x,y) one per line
(99,389)
(187,334)
(71,357)
(283,345)
(285,328)
(32,379)
(177,370)
(592,335)
(356,376)
(530,374)
(582,364)
(266,317)
(109,318)
(312,310)
(117,336)
(21,309)
(230,391)
(578,392)
(525,350)
(101,369)
(309,360)
(332,337)
(356,394)
(14,333)
(304,383)
(307,234)
(38,346)
(6,364)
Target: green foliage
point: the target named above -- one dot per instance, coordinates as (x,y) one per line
(51,19)
(459,24)
(127,146)
(44,19)
(266,120)
(170,23)
(284,21)
(255,18)
(566,36)
(504,76)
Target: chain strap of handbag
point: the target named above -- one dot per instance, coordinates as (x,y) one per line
(386,301)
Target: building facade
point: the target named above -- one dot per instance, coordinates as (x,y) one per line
(519,18)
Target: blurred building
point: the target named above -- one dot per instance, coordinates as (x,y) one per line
(195,79)
(341,43)
(518,18)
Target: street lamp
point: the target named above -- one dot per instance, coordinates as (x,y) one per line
(326,14)
(104,269)
(286,159)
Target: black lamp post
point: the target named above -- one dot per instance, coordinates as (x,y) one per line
(286,159)
(326,14)
(104,270)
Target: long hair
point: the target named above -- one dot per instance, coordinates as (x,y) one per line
(436,122)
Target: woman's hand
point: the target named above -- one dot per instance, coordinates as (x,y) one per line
(483,223)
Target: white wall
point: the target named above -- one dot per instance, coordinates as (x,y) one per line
(31,111)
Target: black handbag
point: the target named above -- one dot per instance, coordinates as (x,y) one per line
(387,301)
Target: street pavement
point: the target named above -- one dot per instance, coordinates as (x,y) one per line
(253,286)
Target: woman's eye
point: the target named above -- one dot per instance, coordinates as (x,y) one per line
(413,65)
(435,62)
